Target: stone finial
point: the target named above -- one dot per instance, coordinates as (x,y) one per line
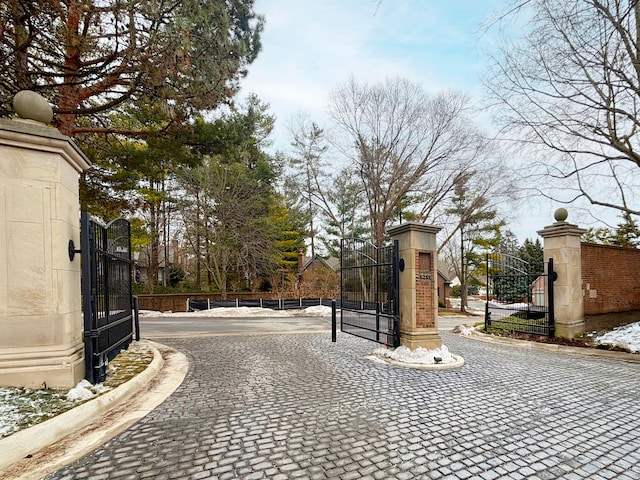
(561,215)
(32,106)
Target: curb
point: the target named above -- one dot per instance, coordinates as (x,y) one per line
(550,347)
(49,445)
(459,362)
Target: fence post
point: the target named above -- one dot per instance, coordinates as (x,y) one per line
(333,321)
(136,317)
(551,305)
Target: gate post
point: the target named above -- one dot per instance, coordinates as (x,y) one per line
(418,284)
(562,244)
(40,306)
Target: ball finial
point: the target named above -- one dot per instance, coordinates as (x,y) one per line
(561,214)
(32,106)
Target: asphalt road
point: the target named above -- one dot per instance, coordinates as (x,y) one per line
(168,327)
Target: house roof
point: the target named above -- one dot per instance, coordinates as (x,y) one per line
(444,277)
(331,263)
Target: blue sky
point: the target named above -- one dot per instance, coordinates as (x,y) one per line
(310,47)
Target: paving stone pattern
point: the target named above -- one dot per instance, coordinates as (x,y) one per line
(298,406)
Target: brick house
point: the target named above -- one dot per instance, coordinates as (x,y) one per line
(318,277)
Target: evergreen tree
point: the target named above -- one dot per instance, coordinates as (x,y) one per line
(89,58)
(532,253)
(627,234)
(480,232)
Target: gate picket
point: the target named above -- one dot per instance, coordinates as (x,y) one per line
(519,295)
(106,293)
(369,291)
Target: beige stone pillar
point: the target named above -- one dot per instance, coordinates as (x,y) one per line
(562,243)
(418,285)
(41,343)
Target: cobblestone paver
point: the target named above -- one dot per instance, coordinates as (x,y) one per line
(298,406)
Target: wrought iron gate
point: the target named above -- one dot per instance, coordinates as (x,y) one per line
(107,298)
(519,295)
(369,291)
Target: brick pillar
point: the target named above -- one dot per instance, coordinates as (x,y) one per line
(40,302)
(418,285)
(562,243)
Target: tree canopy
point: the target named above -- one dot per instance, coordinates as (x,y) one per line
(89,57)
(402,141)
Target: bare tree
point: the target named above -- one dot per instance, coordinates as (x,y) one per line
(402,140)
(570,91)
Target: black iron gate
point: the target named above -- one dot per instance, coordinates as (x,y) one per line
(519,295)
(369,291)
(107,298)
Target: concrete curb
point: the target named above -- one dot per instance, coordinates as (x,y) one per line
(459,362)
(550,347)
(43,448)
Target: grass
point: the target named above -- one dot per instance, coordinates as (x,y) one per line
(24,407)
(516,324)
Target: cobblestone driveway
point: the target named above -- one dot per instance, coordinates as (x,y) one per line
(298,406)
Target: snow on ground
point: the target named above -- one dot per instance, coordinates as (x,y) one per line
(317,311)
(627,336)
(24,407)
(419,356)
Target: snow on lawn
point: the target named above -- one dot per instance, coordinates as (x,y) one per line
(627,336)
(317,311)
(23,407)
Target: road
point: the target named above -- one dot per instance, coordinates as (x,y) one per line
(280,407)
(169,327)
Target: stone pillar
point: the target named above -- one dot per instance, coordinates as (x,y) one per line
(40,300)
(418,285)
(562,243)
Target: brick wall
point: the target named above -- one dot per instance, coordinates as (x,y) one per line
(424,290)
(610,279)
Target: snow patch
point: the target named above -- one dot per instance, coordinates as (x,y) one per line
(464,330)
(419,356)
(81,392)
(627,336)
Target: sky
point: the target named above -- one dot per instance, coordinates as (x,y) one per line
(310,48)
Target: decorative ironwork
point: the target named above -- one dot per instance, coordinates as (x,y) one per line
(369,291)
(106,293)
(519,295)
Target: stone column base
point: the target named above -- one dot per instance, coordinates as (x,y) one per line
(42,368)
(569,329)
(413,340)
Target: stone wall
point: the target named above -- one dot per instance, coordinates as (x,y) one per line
(610,279)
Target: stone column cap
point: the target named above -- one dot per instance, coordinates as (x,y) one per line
(413,227)
(559,229)
(37,136)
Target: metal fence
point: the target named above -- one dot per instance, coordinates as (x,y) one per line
(106,293)
(369,291)
(519,295)
(274,304)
